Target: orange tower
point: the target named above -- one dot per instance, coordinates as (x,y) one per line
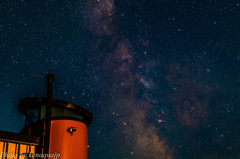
(54,129)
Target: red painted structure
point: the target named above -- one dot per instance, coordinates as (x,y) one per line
(73,145)
(52,127)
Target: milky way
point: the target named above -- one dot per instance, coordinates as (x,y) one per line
(142,137)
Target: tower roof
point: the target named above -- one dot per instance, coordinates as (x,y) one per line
(37,102)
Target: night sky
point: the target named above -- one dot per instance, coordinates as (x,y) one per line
(161,77)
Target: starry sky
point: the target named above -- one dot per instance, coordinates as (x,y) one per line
(161,77)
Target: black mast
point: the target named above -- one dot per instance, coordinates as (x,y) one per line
(50,79)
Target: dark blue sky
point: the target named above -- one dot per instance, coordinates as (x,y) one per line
(160,77)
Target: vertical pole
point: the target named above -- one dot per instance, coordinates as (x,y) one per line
(18,154)
(7,150)
(50,79)
(3,148)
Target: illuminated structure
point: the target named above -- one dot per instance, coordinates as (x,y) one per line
(53,127)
